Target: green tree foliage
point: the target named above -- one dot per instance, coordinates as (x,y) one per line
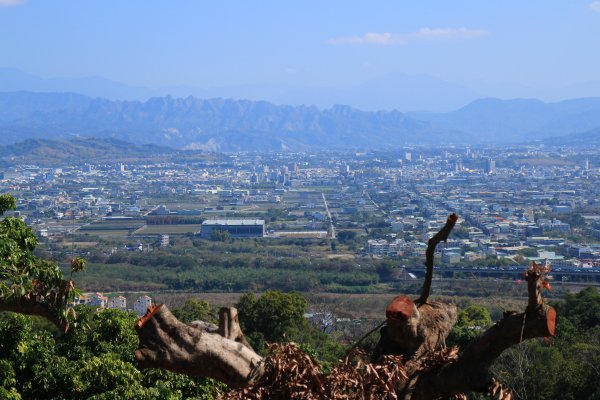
(272,314)
(471,322)
(564,367)
(279,317)
(385,269)
(93,360)
(195,310)
(346,236)
(582,309)
(220,235)
(28,281)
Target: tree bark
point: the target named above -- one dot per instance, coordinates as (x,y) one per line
(30,306)
(414,328)
(470,373)
(432,243)
(167,343)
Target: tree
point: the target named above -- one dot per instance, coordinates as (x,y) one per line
(415,331)
(220,235)
(195,310)
(271,316)
(93,360)
(28,284)
(470,323)
(385,269)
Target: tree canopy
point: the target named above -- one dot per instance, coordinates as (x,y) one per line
(29,284)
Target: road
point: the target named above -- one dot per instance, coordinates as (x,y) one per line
(377,206)
(331,226)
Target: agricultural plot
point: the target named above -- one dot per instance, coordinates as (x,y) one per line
(109,228)
(176,229)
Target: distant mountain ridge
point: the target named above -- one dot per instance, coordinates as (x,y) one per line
(390,91)
(78,150)
(519,120)
(213,124)
(587,138)
(13,80)
(242,125)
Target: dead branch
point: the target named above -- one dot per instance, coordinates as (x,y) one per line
(167,343)
(442,235)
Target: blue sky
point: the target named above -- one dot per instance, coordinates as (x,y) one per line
(305,43)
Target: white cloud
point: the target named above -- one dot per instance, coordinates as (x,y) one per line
(595,6)
(448,33)
(387,38)
(8,3)
(368,38)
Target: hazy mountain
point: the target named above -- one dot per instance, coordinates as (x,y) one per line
(507,90)
(12,79)
(234,125)
(394,91)
(520,120)
(587,138)
(389,92)
(214,124)
(53,152)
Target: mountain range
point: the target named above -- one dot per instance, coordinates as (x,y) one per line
(243,125)
(213,124)
(391,91)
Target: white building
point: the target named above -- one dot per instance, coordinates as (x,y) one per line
(98,300)
(164,241)
(382,247)
(118,302)
(141,305)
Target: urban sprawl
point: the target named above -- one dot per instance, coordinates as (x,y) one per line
(515,205)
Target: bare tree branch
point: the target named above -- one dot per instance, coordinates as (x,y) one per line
(442,235)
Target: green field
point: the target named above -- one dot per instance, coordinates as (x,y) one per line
(110,228)
(176,229)
(108,233)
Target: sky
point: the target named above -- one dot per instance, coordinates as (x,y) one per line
(160,43)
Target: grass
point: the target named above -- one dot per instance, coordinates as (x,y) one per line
(110,233)
(178,229)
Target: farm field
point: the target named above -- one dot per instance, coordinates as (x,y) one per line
(176,229)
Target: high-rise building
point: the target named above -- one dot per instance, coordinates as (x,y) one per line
(490,166)
(458,165)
